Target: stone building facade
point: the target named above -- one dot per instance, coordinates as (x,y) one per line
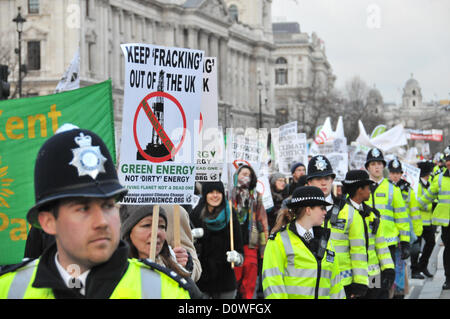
(242,42)
(301,66)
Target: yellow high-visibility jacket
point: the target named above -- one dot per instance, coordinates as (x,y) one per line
(291,270)
(389,202)
(440,190)
(347,234)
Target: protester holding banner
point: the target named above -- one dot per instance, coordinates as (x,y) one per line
(254,227)
(184,250)
(278,189)
(380,265)
(387,198)
(440,190)
(212,214)
(76,188)
(299,255)
(419,266)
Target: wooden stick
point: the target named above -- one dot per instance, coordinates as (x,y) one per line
(176,226)
(231,231)
(155,222)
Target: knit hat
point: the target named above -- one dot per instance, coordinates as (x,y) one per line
(295,165)
(130,215)
(307,196)
(274,177)
(319,166)
(208,187)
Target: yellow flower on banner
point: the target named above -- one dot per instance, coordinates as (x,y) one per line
(5,192)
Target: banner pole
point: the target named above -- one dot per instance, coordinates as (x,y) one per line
(176,226)
(231,231)
(155,222)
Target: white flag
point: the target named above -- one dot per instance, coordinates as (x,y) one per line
(71,78)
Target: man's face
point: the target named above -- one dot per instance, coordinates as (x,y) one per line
(299,172)
(395,177)
(87,231)
(324,183)
(375,169)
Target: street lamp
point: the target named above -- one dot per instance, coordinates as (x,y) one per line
(260,87)
(19,20)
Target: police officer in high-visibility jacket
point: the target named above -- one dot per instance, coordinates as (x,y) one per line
(387,198)
(419,266)
(380,265)
(299,260)
(76,190)
(349,240)
(440,190)
(409,196)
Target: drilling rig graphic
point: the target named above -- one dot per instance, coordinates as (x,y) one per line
(156,147)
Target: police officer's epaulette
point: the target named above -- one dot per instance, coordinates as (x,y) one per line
(273,235)
(172,274)
(10,268)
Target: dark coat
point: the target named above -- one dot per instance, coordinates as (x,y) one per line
(217,274)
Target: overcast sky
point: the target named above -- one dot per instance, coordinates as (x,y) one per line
(382,41)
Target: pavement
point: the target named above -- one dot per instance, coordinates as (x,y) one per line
(430,288)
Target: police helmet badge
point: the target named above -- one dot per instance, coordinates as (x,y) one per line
(395,164)
(447,151)
(375,152)
(321,164)
(87,158)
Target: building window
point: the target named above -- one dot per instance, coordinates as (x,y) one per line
(414,103)
(281,76)
(414,92)
(33,6)
(281,73)
(281,60)
(233,12)
(34,55)
(87,8)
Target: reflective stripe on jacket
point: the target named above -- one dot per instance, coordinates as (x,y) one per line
(138,282)
(389,201)
(291,271)
(426,211)
(349,242)
(440,190)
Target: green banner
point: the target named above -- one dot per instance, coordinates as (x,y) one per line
(25,124)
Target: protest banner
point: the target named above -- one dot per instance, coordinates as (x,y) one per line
(339,163)
(279,134)
(210,149)
(292,149)
(357,157)
(263,188)
(25,125)
(411,174)
(162,98)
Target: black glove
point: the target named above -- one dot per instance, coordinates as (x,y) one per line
(387,278)
(358,290)
(405,248)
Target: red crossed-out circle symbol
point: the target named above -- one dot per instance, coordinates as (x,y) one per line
(144,105)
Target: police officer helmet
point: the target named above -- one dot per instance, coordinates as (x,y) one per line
(446,155)
(319,166)
(394,166)
(375,155)
(73,163)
